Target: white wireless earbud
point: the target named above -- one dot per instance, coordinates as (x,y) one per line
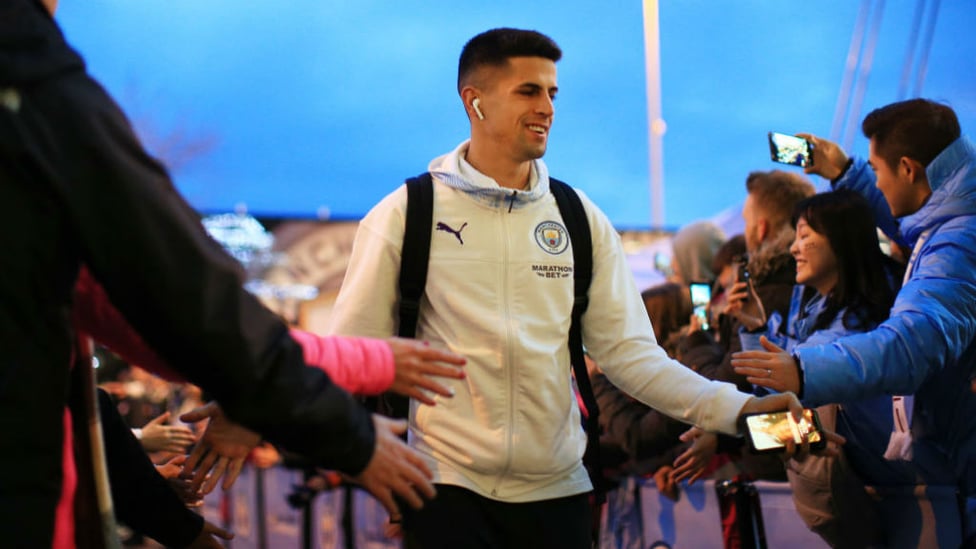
(476,105)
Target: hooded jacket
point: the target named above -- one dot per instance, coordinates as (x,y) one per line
(499,292)
(928,344)
(76,187)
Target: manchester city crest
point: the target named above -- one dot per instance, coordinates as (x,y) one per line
(551,237)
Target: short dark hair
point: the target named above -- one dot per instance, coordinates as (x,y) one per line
(918,128)
(776,192)
(494,48)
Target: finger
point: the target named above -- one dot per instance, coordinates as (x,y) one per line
(761,381)
(420,396)
(182,436)
(198,414)
(435,387)
(159,420)
(407,493)
(696,476)
(834,437)
(195,456)
(437,355)
(430,369)
(385,498)
(215,475)
(769,345)
(203,470)
(233,471)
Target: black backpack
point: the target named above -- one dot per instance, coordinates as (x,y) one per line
(415,256)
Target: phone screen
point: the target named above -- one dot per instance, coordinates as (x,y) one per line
(789,149)
(768,431)
(701,295)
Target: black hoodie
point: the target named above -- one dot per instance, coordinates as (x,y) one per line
(76,187)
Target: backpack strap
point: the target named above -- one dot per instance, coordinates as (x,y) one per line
(574,215)
(414,259)
(415,253)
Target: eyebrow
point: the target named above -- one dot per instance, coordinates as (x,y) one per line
(536,87)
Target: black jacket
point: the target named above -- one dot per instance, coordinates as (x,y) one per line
(77,187)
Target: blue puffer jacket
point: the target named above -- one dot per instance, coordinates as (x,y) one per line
(866,424)
(928,345)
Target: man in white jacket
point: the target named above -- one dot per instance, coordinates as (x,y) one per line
(506,450)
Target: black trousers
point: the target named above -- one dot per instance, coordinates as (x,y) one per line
(458,517)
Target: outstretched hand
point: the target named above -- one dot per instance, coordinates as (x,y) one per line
(221,450)
(158,436)
(772,368)
(417,366)
(692,462)
(395,469)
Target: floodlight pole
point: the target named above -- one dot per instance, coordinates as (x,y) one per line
(655,122)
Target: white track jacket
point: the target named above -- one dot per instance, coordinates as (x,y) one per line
(499,292)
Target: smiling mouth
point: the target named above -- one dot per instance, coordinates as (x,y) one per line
(540,130)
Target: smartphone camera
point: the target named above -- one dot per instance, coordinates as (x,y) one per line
(789,149)
(701,296)
(740,269)
(767,432)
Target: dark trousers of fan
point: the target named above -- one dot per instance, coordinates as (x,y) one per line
(460,518)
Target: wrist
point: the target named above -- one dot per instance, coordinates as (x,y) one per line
(843,171)
(799,376)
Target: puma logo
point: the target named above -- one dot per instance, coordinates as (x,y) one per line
(457,234)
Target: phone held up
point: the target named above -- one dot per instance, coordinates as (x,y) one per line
(701,296)
(789,149)
(767,431)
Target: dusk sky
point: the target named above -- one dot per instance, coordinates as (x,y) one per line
(309,106)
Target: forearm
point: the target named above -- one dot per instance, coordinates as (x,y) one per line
(183,294)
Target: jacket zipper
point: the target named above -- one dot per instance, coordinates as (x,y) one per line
(512,200)
(509,359)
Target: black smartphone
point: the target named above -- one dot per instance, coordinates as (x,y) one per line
(790,149)
(740,269)
(701,296)
(768,431)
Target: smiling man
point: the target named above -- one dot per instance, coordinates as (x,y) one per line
(506,450)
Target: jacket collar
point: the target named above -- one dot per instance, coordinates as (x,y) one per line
(952,176)
(453,170)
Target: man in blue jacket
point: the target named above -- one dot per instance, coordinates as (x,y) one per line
(922,173)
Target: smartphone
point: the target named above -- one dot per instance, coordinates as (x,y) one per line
(767,431)
(701,296)
(789,149)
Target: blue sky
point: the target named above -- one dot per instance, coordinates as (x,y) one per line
(301,107)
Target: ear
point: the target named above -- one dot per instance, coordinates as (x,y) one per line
(762,229)
(468,94)
(912,170)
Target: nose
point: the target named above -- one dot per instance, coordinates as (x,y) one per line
(546,106)
(795,247)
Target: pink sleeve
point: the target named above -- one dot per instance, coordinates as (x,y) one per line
(94,313)
(360,365)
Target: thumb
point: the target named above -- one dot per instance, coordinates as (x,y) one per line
(769,345)
(197,414)
(396,426)
(160,420)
